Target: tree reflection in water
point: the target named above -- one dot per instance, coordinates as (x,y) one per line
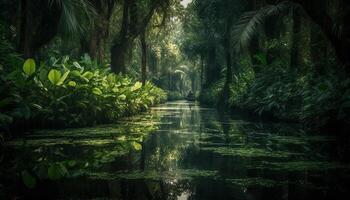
(181,150)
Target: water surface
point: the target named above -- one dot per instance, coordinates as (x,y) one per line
(180,150)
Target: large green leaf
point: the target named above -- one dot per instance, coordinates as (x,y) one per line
(54,76)
(88,75)
(122,97)
(96,91)
(63,78)
(137,146)
(76,73)
(72,83)
(115,89)
(28,179)
(137,86)
(29,67)
(77,65)
(56,171)
(111,78)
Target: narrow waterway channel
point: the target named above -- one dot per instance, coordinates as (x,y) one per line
(179,150)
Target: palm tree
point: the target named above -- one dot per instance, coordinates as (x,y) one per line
(337,30)
(250,22)
(42,20)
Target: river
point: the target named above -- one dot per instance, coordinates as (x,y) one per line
(178,150)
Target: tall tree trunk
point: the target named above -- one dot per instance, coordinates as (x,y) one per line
(132,26)
(228,64)
(118,54)
(23,24)
(228,51)
(93,45)
(143,57)
(169,81)
(104,38)
(37,28)
(97,41)
(193,77)
(318,48)
(295,53)
(100,33)
(202,70)
(25,30)
(213,71)
(120,46)
(227,48)
(322,18)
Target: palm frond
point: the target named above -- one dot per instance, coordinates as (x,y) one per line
(179,72)
(249,23)
(73,14)
(184,68)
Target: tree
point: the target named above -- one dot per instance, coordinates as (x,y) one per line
(143,57)
(337,29)
(100,30)
(136,16)
(295,49)
(41,20)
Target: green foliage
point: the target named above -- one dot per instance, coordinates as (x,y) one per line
(28,179)
(55,77)
(61,93)
(210,95)
(8,62)
(250,22)
(29,67)
(174,95)
(137,146)
(56,171)
(241,83)
(282,93)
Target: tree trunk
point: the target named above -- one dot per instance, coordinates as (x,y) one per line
(104,38)
(228,65)
(96,47)
(118,53)
(295,53)
(121,45)
(227,48)
(143,57)
(193,77)
(132,26)
(202,70)
(318,48)
(93,45)
(321,17)
(25,30)
(213,71)
(100,33)
(37,28)
(23,25)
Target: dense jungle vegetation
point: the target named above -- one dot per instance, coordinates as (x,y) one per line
(81,63)
(279,59)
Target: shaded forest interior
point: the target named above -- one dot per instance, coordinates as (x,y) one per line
(81,63)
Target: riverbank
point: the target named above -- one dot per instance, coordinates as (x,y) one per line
(64,93)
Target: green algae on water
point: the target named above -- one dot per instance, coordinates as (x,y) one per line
(247,152)
(178,174)
(296,166)
(248,182)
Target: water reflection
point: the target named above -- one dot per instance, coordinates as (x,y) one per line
(183,151)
